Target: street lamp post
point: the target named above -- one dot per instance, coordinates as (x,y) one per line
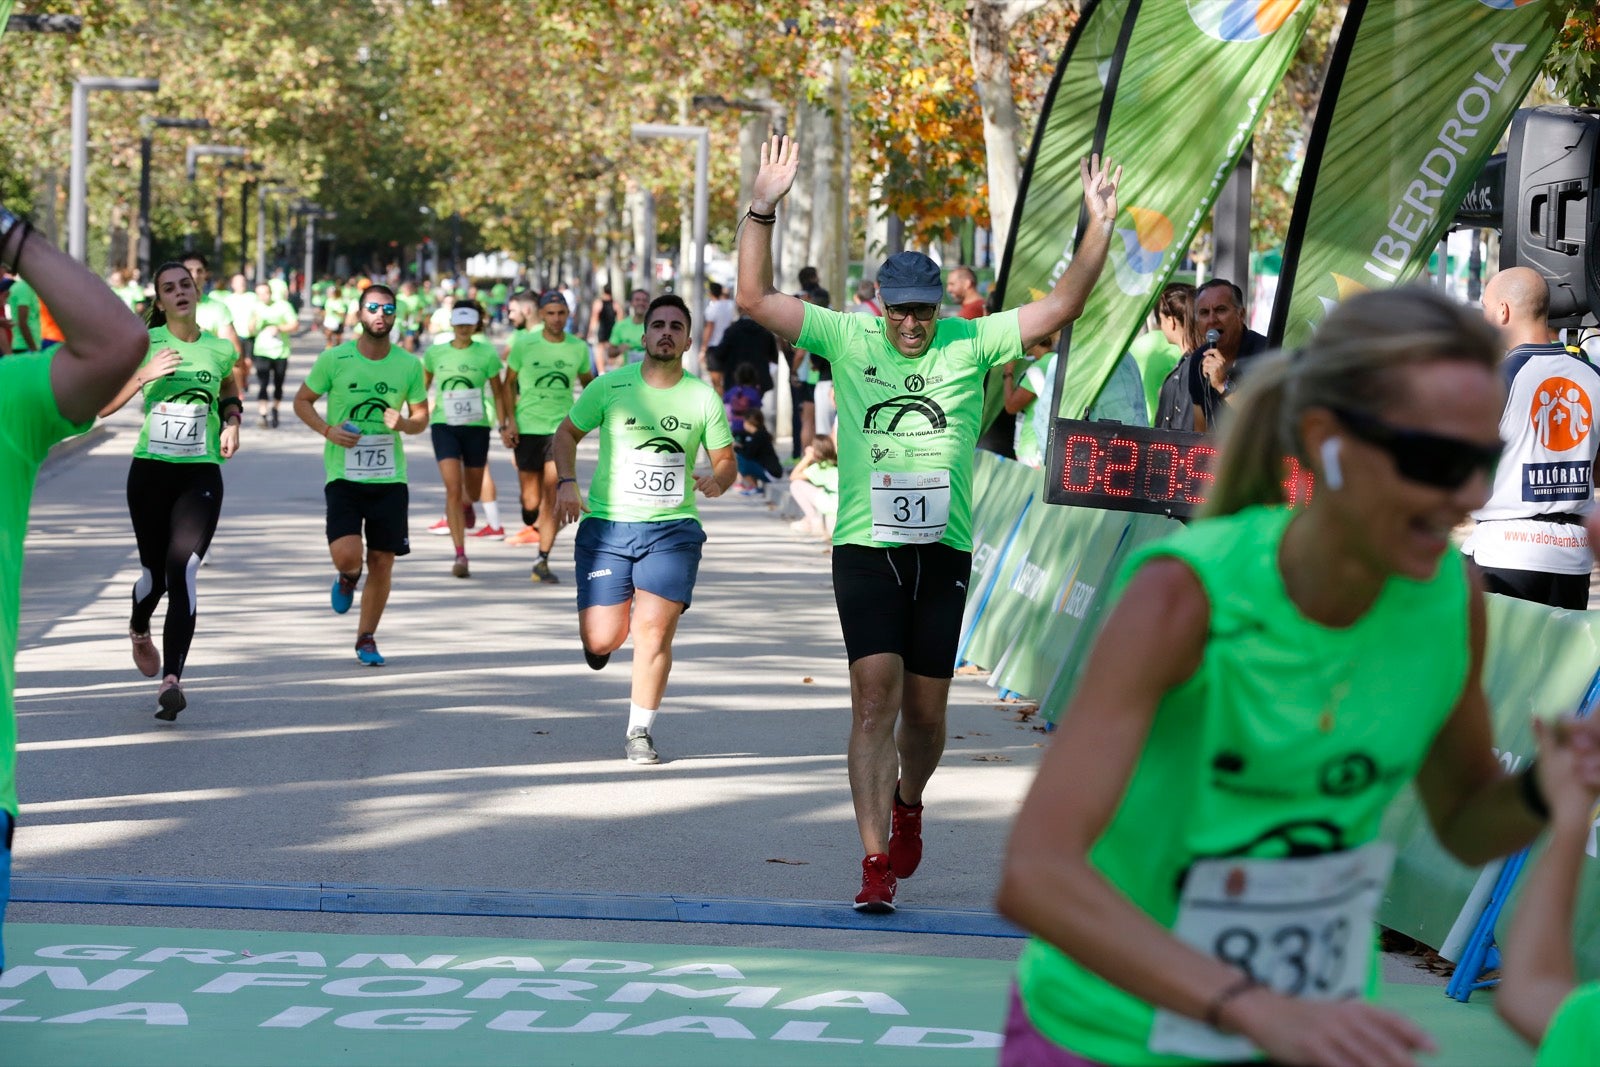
(146,125)
(261,223)
(191,158)
(702,197)
(780,125)
(77,185)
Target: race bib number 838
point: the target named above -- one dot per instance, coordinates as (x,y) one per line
(1304,927)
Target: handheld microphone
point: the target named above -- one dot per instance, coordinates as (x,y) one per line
(1212,337)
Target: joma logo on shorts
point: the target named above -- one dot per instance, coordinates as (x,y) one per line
(600,574)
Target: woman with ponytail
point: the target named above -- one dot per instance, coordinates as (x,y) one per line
(191,425)
(1198,859)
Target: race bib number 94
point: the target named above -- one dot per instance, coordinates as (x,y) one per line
(910,508)
(371,458)
(1301,926)
(463,407)
(654,479)
(177,429)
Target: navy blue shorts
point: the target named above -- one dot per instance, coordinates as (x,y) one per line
(9,824)
(615,558)
(469,444)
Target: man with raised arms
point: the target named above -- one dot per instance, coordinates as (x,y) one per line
(638,549)
(909,389)
(45,397)
(366,381)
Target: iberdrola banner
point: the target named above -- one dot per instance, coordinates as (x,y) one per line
(1193,77)
(1418,94)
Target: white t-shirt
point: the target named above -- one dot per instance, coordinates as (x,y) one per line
(720,315)
(1547,470)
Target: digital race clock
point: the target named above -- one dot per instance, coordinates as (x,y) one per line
(1135,468)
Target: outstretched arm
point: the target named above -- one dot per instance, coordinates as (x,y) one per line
(1065,302)
(105,342)
(779,312)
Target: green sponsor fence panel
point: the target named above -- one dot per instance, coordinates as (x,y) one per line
(1139,529)
(170,998)
(1056,586)
(1537,659)
(1001,489)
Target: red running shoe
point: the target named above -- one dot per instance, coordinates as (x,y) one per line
(905,837)
(877,885)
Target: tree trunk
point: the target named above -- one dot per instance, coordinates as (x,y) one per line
(642,204)
(830,226)
(989,26)
(810,127)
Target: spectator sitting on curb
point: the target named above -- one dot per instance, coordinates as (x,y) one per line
(814,484)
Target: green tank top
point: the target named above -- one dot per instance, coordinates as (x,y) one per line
(1289,740)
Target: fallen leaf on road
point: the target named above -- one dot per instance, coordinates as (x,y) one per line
(805,681)
(992,759)
(791,863)
(960,737)
(970,669)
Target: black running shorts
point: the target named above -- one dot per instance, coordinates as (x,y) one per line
(381,508)
(906,600)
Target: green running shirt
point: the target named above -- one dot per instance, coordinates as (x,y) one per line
(649,439)
(1238,762)
(460,370)
(907,427)
(360,390)
(546,373)
(181,421)
(29,424)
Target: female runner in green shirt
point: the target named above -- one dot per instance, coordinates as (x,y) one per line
(191,426)
(1197,860)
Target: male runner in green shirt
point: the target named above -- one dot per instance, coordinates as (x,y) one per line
(366,381)
(44,398)
(638,550)
(627,335)
(214,317)
(909,389)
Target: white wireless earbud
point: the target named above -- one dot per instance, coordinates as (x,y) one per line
(1332,473)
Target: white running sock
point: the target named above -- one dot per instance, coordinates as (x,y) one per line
(638,717)
(491,511)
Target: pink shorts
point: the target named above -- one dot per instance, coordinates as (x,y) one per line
(1026,1047)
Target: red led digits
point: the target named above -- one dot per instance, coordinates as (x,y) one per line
(1297,483)
(1082,468)
(1121,474)
(1198,488)
(1163,470)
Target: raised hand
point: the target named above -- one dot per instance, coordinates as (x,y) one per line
(1100,187)
(780,160)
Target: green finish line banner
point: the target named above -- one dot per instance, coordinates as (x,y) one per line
(167,998)
(1427,88)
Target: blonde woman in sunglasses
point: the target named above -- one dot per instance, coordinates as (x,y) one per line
(1198,859)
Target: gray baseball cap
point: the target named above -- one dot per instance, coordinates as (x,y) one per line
(910,278)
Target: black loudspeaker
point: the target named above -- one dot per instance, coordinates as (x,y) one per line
(1552,220)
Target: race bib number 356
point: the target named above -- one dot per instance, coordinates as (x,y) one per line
(1301,926)
(654,479)
(912,507)
(371,458)
(177,429)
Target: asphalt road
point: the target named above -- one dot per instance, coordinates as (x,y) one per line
(486,754)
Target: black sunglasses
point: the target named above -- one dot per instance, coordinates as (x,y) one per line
(1430,459)
(922,312)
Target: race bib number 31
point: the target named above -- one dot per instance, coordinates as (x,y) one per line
(177,429)
(371,458)
(1301,926)
(911,508)
(463,407)
(654,479)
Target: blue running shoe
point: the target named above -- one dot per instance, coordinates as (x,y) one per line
(367,651)
(343,594)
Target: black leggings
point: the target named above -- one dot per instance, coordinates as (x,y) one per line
(270,372)
(174,507)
